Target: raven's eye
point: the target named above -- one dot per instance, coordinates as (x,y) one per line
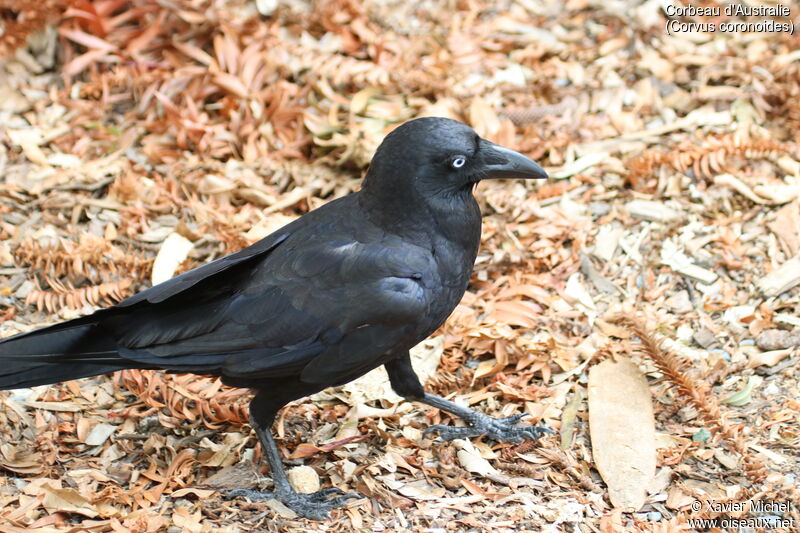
(458,161)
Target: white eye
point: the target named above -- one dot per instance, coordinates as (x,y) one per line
(459,162)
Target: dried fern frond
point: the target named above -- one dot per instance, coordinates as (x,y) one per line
(343,69)
(75,298)
(782,96)
(444,383)
(675,369)
(188,397)
(705,161)
(90,257)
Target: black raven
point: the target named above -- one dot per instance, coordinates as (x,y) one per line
(339,291)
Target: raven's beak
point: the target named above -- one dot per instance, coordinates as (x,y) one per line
(504,163)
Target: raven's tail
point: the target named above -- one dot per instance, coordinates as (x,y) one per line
(70,350)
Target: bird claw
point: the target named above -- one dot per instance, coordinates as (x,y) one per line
(315,505)
(515,418)
(498,429)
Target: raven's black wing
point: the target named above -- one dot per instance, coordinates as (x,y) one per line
(96,344)
(187,280)
(325,300)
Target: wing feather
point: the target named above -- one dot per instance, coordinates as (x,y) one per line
(321,298)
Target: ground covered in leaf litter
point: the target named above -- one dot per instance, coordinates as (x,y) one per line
(141,138)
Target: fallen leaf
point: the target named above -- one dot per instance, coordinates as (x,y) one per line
(569,418)
(305,449)
(743,396)
(483,118)
(622,430)
(174,251)
(304,479)
(99,434)
(770,358)
(200,493)
(66,500)
(19,461)
(579,165)
(187,521)
(29,140)
(470,458)
(786,227)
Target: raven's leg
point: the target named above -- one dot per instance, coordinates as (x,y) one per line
(316,505)
(406,383)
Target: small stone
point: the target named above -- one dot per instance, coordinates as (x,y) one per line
(599,209)
(24,290)
(304,479)
(685,333)
(737,316)
(722,353)
(702,435)
(653,211)
(679,302)
(705,338)
(777,339)
(780,280)
(266,7)
(725,459)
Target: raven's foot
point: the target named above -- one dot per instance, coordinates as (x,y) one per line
(315,506)
(498,429)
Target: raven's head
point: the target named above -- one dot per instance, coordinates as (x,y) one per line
(435,156)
